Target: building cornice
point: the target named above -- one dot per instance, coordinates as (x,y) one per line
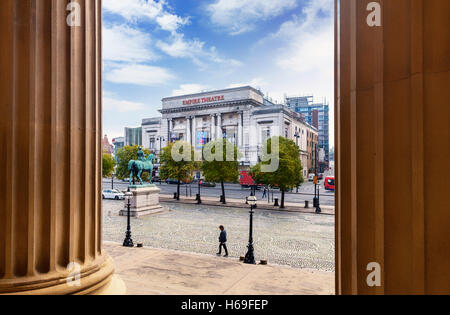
(210,106)
(211,92)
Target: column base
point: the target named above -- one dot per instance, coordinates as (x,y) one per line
(97,280)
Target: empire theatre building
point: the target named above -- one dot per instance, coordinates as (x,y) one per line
(240,115)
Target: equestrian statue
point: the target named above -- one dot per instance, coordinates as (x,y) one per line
(141,165)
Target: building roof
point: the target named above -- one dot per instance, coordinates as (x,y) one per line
(212,93)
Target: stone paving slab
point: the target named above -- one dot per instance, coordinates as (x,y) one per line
(149,271)
(299,240)
(237,203)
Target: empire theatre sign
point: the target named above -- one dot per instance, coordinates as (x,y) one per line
(203,100)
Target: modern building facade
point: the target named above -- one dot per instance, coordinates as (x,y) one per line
(317,115)
(133,136)
(118,144)
(240,115)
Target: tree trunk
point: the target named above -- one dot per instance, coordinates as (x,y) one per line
(178,190)
(282,200)
(223,193)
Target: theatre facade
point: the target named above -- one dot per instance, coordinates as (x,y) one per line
(240,115)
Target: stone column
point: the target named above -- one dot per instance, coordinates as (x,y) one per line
(219,131)
(392,123)
(213,127)
(240,131)
(194,131)
(50,149)
(188,137)
(169,133)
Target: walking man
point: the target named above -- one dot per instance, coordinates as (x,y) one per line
(223,241)
(264,193)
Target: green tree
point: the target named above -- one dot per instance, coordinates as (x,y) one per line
(219,168)
(289,173)
(124,156)
(108,164)
(179,166)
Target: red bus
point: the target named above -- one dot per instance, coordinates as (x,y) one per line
(329,183)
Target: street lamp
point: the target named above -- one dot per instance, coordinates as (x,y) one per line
(297,136)
(128,242)
(250,257)
(316,186)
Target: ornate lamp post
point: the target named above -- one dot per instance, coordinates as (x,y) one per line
(297,136)
(250,257)
(128,242)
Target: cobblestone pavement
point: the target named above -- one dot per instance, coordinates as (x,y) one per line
(294,239)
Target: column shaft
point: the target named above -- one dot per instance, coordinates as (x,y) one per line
(392,124)
(50,147)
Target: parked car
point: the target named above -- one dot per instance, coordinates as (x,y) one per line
(320,176)
(172,181)
(311,177)
(207,184)
(113,194)
(330,183)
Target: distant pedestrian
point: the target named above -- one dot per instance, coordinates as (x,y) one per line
(223,241)
(264,195)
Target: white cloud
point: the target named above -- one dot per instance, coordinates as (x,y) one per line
(123,43)
(179,47)
(186,89)
(238,16)
(155,11)
(121,106)
(139,75)
(257,83)
(303,63)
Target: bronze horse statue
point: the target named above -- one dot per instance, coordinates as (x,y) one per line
(140,166)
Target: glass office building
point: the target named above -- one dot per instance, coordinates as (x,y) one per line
(316,114)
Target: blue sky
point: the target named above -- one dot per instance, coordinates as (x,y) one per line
(154,49)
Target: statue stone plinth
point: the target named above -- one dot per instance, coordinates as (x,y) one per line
(145,201)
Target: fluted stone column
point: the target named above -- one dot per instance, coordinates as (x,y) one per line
(188,137)
(213,127)
(50,149)
(194,131)
(392,149)
(240,129)
(219,132)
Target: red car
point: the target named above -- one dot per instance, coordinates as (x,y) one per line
(330,183)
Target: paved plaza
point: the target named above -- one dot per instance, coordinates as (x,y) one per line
(298,240)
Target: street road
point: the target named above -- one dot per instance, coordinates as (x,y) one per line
(306,191)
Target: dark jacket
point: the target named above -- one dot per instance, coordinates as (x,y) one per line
(223,236)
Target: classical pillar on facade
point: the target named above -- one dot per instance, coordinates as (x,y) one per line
(50,150)
(188,137)
(194,130)
(240,131)
(392,122)
(219,131)
(169,130)
(213,127)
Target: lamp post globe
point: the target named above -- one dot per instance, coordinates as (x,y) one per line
(250,256)
(128,242)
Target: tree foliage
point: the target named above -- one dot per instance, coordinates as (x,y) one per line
(221,170)
(109,163)
(124,156)
(181,170)
(289,174)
